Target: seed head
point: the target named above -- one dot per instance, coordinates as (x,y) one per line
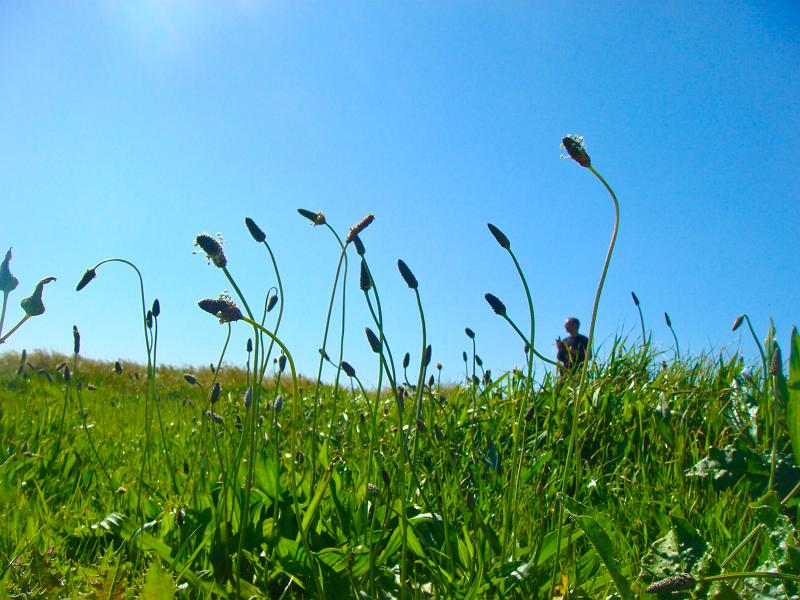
(438,366)
(737,323)
(360,250)
(273,300)
(248,397)
(428,352)
(33,305)
(223,307)
(190,379)
(117,367)
(148,319)
(256,231)
(282,363)
(278,404)
(406,360)
(499,236)
(87,277)
(359,227)
(775,365)
(464,356)
(348,369)
(316,218)
(529,414)
(215,391)
(365,281)
(470,333)
(573,144)
(408,276)
(635,298)
(212,248)
(67,374)
(8,282)
(683,581)
(497,306)
(76,340)
(478,360)
(249,347)
(373,340)
(156,310)
(668,320)
(431,381)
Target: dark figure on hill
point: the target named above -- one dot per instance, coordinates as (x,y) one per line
(573,350)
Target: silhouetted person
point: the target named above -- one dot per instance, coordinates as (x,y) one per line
(572,351)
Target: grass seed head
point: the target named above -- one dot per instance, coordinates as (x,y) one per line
(272,302)
(76,340)
(212,248)
(359,227)
(478,360)
(776,364)
(406,360)
(635,298)
(499,236)
(148,319)
(431,381)
(464,356)
(667,319)
(737,323)
(282,363)
(470,333)
(156,310)
(682,581)
(316,218)
(428,353)
(256,231)
(249,347)
(8,282)
(497,306)
(348,369)
(573,144)
(33,305)
(190,379)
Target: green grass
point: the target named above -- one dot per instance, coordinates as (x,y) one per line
(69,530)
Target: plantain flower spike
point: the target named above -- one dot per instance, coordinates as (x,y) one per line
(33,305)
(212,248)
(223,307)
(682,581)
(737,323)
(573,144)
(635,298)
(316,218)
(360,250)
(8,283)
(407,275)
(497,306)
(499,236)
(359,227)
(256,231)
(87,277)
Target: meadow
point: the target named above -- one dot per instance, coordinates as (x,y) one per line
(644,473)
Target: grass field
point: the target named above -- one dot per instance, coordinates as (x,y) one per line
(641,468)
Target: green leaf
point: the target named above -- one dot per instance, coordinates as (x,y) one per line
(681,550)
(601,541)
(793,401)
(780,554)
(158,585)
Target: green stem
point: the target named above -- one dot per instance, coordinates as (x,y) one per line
(13,329)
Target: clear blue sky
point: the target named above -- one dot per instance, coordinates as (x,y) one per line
(128,127)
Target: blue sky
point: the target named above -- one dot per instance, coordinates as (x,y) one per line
(127,128)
